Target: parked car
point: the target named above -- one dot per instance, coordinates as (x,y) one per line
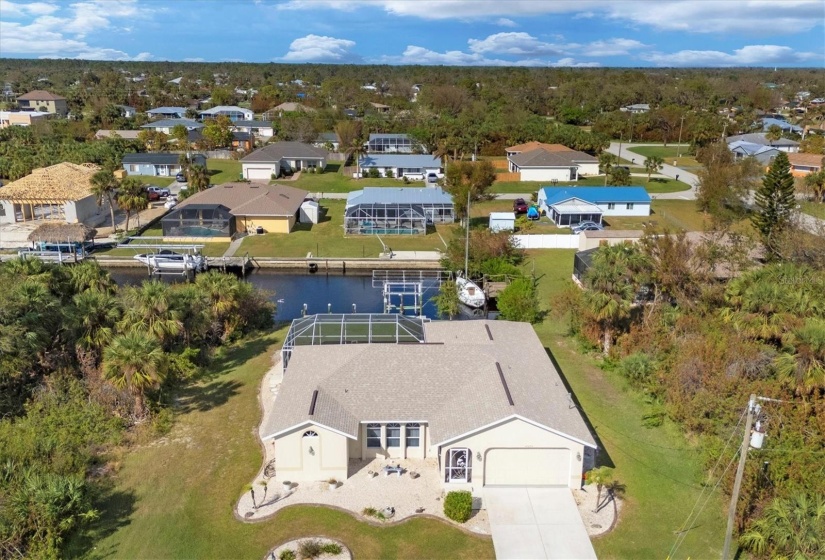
(520,206)
(587,226)
(180,177)
(432,178)
(160,191)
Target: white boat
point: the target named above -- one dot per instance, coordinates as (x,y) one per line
(167,260)
(469,293)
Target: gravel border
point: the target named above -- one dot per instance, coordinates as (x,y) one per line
(595,523)
(295,543)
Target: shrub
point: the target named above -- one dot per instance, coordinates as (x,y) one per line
(369,512)
(458,505)
(637,368)
(287,554)
(389,173)
(332,548)
(310,549)
(519,301)
(374,173)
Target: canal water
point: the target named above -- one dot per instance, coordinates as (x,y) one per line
(321,293)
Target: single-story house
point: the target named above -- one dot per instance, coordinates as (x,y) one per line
(502,221)
(221,211)
(325,139)
(805,164)
(783,144)
(397,210)
(166,125)
(393,144)
(59,192)
(22,118)
(762,154)
(157,164)
(167,113)
(380,107)
(541,165)
(415,167)
(126,111)
(265,162)
(234,113)
(571,205)
(480,397)
(260,129)
(44,102)
(125,134)
(533,145)
(768,122)
(636,108)
(287,107)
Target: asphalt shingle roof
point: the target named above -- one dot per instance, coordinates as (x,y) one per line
(542,158)
(41,95)
(452,382)
(275,152)
(244,199)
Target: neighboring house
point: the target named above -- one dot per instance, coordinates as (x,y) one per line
(805,164)
(22,118)
(567,206)
(783,144)
(221,211)
(396,210)
(260,129)
(530,146)
(415,167)
(328,139)
(166,125)
(380,107)
(126,111)
(563,165)
(636,108)
(270,160)
(393,144)
(762,154)
(768,122)
(175,81)
(157,164)
(167,113)
(43,102)
(240,140)
(288,107)
(60,192)
(125,134)
(234,113)
(481,398)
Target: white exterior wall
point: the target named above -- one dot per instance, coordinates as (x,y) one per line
(320,163)
(501,224)
(7,216)
(545,174)
(639,209)
(589,169)
(272,167)
(329,457)
(82,210)
(514,433)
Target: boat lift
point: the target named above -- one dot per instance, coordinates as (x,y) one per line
(403,290)
(138,243)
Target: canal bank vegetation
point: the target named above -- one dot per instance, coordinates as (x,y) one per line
(87,367)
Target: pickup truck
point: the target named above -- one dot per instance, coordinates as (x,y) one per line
(156,193)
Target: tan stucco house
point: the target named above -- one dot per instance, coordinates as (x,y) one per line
(43,101)
(482,398)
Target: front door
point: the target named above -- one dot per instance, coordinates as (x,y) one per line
(458,465)
(311,455)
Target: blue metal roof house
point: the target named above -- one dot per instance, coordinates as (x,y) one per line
(568,206)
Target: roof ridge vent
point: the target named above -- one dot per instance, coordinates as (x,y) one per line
(503,383)
(312,404)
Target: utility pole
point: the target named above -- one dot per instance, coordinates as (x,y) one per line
(740,470)
(630,141)
(467,238)
(679,144)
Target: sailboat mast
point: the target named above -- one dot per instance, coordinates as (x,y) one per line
(467,239)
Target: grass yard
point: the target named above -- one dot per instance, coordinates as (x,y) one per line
(817,210)
(173,497)
(223,170)
(656,186)
(675,214)
(480,217)
(153,180)
(660,469)
(669,154)
(326,239)
(332,181)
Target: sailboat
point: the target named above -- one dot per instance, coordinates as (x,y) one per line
(468,291)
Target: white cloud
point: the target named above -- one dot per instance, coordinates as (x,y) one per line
(514,44)
(504,22)
(751,55)
(319,48)
(421,55)
(15,10)
(196,59)
(571,63)
(612,47)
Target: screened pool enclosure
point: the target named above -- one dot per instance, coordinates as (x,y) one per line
(396,211)
(199,220)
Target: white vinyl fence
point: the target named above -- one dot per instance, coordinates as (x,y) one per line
(548,241)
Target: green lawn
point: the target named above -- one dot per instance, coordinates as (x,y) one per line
(659,467)
(480,216)
(326,239)
(817,210)
(655,186)
(174,497)
(669,154)
(227,170)
(332,181)
(675,214)
(153,180)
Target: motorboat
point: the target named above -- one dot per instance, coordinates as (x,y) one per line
(166,260)
(469,293)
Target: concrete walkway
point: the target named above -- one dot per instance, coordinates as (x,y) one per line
(233,247)
(536,523)
(667,170)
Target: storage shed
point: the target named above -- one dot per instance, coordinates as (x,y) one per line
(309,212)
(502,221)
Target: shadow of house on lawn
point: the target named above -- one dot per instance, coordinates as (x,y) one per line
(116,509)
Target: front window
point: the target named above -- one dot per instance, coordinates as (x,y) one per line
(393,435)
(373,436)
(630,206)
(413,435)
(611,205)
(310,433)
(458,465)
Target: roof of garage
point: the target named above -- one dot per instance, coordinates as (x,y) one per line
(464,377)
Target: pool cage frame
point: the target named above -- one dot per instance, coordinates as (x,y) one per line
(396,218)
(217,218)
(352,328)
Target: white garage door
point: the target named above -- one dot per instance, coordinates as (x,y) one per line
(258,173)
(527,467)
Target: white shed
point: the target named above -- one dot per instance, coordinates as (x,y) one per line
(309,212)
(501,221)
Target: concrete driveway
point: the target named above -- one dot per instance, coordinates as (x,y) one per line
(536,523)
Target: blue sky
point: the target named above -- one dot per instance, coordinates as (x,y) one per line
(567,33)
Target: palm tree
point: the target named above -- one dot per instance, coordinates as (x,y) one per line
(652,165)
(134,361)
(103,185)
(773,133)
(606,163)
(197,177)
(149,309)
(601,476)
(804,364)
(816,183)
(131,197)
(791,527)
(88,275)
(95,314)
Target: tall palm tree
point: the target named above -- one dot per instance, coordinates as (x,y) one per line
(789,528)
(652,165)
(606,163)
(816,183)
(95,315)
(131,197)
(150,309)
(773,133)
(103,185)
(88,275)
(197,177)
(134,361)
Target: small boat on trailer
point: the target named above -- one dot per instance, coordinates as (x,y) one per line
(170,261)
